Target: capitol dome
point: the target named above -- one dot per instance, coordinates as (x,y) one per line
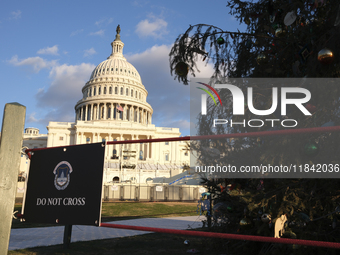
(114,91)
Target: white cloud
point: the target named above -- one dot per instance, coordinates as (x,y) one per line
(76,32)
(59,99)
(140,3)
(100,32)
(89,52)
(37,63)
(169,99)
(181,124)
(153,26)
(104,20)
(31,118)
(49,50)
(16,14)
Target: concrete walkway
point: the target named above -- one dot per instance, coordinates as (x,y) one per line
(32,237)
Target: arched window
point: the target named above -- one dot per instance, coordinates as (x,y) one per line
(139,95)
(136,94)
(121,90)
(110,90)
(131,92)
(116,90)
(99,90)
(149,179)
(104,90)
(127,91)
(94,91)
(90,92)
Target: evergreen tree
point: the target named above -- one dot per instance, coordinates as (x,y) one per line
(284,39)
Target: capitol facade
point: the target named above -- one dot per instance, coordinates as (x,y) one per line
(114,107)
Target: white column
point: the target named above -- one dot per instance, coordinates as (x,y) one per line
(121,146)
(91,112)
(98,111)
(177,152)
(137,146)
(124,112)
(131,113)
(109,150)
(152,148)
(141,116)
(147,149)
(111,113)
(104,115)
(81,113)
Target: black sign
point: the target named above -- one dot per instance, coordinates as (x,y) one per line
(64,185)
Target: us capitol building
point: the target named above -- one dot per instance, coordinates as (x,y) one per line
(114,107)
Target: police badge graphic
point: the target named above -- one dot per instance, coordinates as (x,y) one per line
(62,175)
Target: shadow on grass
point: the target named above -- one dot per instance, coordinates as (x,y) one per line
(154,243)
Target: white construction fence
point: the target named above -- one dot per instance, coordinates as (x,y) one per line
(152,192)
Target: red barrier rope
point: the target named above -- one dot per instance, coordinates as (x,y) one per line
(233,135)
(227,236)
(236,135)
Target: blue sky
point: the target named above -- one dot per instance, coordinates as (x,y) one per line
(49,49)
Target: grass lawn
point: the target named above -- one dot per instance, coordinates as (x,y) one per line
(155,243)
(112,211)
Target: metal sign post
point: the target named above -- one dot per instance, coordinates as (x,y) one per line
(67,236)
